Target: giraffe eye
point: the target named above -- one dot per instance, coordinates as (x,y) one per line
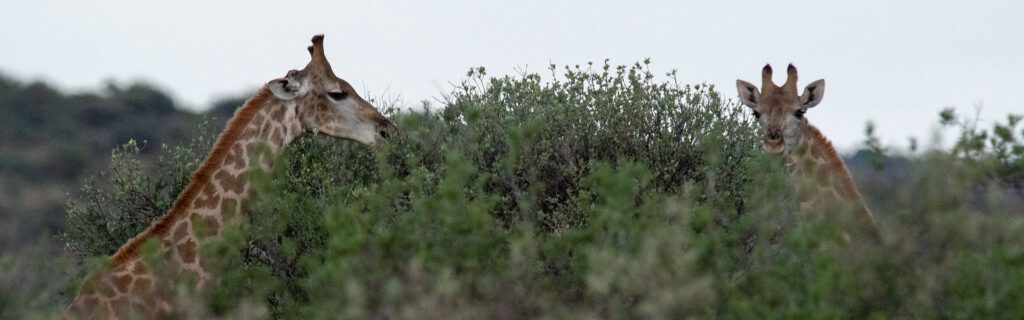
(757,115)
(799,113)
(337,95)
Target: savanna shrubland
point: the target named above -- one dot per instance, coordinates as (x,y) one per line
(601,192)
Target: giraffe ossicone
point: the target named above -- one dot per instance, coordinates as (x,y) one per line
(823,184)
(312,99)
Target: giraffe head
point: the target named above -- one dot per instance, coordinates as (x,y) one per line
(329,105)
(779,109)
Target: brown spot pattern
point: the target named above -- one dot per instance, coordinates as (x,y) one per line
(140,286)
(278,113)
(139,269)
(180,232)
(105,311)
(266,129)
(121,282)
(243,118)
(121,306)
(248,134)
(208,225)
(236,157)
(106,289)
(259,119)
(277,138)
(258,150)
(208,198)
(187,251)
(200,185)
(254,151)
(166,246)
(230,182)
(228,208)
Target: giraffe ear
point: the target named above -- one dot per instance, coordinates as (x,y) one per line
(283,88)
(813,94)
(749,95)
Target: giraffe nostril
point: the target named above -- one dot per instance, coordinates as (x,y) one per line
(385,128)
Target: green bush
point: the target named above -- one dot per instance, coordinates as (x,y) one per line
(601,193)
(114,206)
(508,160)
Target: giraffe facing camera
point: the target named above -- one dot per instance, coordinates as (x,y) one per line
(822,182)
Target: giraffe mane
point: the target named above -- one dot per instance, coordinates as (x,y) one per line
(201,176)
(835,162)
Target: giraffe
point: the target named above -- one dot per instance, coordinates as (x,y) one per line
(309,100)
(822,182)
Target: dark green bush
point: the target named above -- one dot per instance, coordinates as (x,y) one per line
(602,193)
(114,206)
(507,158)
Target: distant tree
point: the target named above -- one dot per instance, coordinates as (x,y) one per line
(146,99)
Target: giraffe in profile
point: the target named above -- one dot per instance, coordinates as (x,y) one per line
(822,182)
(309,100)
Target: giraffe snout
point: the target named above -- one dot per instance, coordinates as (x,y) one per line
(773,141)
(773,136)
(385,131)
(386,128)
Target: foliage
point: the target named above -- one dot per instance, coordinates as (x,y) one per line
(1001,147)
(50,142)
(115,206)
(602,193)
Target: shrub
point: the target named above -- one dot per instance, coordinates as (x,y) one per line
(600,193)
(114,206)
(508,160)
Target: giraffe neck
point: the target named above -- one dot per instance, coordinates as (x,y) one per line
(218,190)
(226,192)
(818,170)
(256,148)
(822,182)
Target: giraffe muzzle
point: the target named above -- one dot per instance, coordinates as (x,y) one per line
(773,137)
(386,130)
(773,141)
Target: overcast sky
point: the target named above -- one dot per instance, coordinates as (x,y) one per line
(894,62)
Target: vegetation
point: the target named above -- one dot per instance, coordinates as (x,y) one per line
(601,193)
(50,141)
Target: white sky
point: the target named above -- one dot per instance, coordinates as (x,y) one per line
(894,62)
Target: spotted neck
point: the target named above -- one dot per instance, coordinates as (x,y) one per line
(822,182)
(218,191)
